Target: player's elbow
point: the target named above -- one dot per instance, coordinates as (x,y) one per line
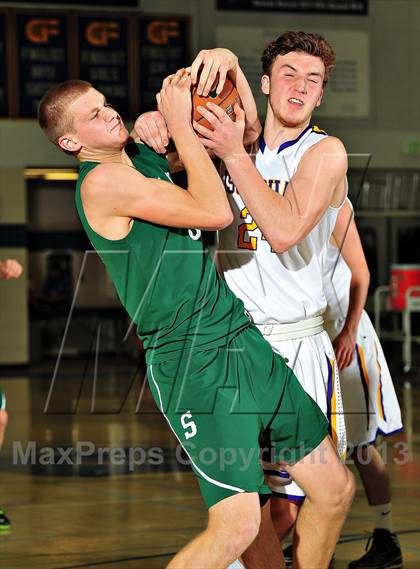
(224,219)
(282,241)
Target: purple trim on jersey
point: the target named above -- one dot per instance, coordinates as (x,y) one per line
(262,143)
(380,385)
(383,434)
(292,142)
(365,385)
(288,496)
(276,473)
(329,393)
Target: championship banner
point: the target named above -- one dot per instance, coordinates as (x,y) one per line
(42,58)
(3,71)
(104,59)
(164,48)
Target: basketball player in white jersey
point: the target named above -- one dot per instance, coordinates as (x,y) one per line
(9,269)
(285,207)
(370,403)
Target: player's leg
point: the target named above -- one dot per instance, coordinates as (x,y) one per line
(371,405)
(312,360)
(3,417)
(265,551)
(3,425)
(232,525)
(284,513)
(329,489)
(4,520)
(384,550)
(374,475)
(298,436)
(211,409)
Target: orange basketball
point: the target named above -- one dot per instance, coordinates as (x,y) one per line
(226,100)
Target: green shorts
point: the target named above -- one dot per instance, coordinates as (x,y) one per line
(2,400)
(218,402)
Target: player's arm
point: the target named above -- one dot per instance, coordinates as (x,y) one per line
(151,128)
(118,190)
(318,182)
(346,237)
(10,269)
(220,63)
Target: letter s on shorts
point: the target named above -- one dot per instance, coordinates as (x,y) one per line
(188,425)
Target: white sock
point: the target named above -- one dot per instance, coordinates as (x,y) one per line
(236,565)
(383,516)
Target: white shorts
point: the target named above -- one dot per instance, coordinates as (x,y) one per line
(370,404)
(313,362)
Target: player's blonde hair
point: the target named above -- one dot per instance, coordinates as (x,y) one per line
(313,44)
(53,115)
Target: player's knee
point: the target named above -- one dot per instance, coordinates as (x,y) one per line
(234,529)
(245,534)
(350,489)
(341,493)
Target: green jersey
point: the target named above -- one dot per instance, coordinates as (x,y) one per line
(165,278)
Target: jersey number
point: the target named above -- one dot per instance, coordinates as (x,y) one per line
(250,225)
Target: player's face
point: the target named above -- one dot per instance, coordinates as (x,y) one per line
(97,125)
(295,87)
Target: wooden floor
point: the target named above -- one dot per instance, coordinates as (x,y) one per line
(105,515)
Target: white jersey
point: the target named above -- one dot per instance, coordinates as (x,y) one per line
(369,400)
(337,277)
(276,288)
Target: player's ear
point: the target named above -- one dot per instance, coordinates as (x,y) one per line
(69,143)
(320,98)
(265,84)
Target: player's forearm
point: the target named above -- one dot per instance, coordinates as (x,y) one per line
(204,183)
(275,215)
(358,293)
(252,122)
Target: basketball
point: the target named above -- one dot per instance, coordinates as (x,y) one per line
(225,100)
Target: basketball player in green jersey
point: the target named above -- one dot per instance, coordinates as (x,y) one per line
(211,373)
(9,269)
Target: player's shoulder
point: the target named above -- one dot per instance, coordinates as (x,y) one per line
(328,144)
(106,183)
(328,154)
(108,175)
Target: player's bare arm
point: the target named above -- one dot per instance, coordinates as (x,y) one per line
(221,63)
(112,201)
(319,181)
(215,63)
(347,240)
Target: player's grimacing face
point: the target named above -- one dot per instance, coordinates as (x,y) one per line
(97,124)
(295,86)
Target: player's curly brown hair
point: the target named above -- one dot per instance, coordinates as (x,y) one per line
(310,43)
(53,115)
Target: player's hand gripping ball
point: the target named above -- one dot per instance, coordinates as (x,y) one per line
(225,100)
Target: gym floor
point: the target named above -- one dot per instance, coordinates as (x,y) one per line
(136,511)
